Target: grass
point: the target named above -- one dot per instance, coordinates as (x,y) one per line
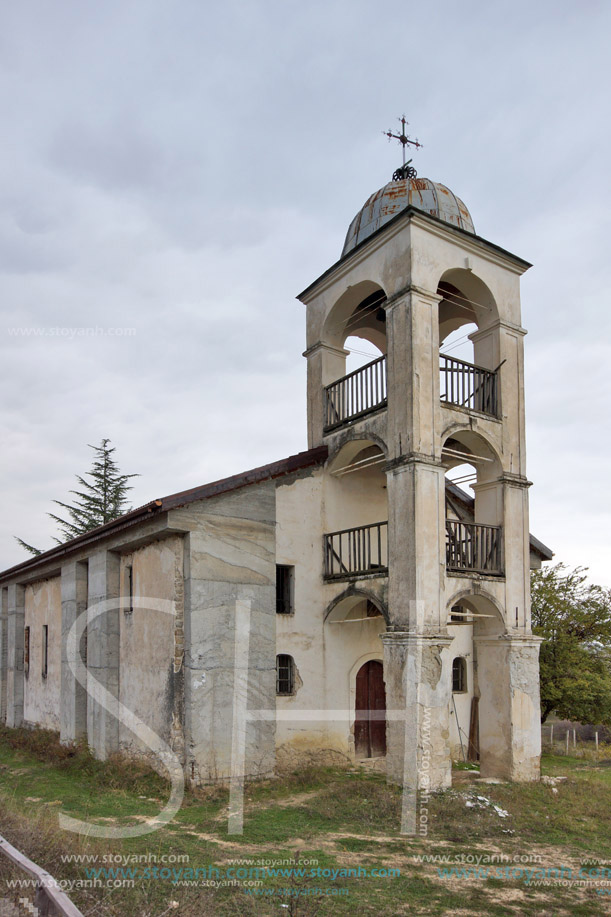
(341,818)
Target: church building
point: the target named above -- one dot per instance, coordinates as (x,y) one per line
(349,602)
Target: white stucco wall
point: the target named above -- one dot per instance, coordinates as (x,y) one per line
(462,645)
(327,653)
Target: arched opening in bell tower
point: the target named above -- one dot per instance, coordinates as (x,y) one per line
(360,353)
(355,384)
(354,623)
(359,312)
(356,512)
(478,710)
(473,505)
(468,374)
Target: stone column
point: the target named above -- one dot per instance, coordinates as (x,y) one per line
(501,346)
(417,674)
(414,410)
(73,702)
(325,364)
(14,668)
(416,544)
(509,706)
(415,476)
(103,650)
(516,538)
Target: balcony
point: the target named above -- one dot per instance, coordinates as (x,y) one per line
(475,548)
(356,395)
(468,386)
(357,552)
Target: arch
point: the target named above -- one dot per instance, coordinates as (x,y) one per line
(358,313)
(481,603)
(356,357)
(466,308)
(351,445)
(467,593)
(474,509)
(466,298)
(354,595)
(349,641)
(356,509)
(460,445)
(466,426)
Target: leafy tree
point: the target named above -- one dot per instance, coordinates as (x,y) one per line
(98,501)
(574,619)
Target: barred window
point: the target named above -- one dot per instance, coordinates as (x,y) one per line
(285,674)
(459,675)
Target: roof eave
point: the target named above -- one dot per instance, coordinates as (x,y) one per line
(409,211)
(271,471)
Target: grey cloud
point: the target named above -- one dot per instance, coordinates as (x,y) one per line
(186,169)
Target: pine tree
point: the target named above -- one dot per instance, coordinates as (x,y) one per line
(97,502)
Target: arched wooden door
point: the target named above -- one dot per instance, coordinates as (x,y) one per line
(370,719)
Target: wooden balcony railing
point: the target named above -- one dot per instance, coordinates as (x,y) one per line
(474,547)
(357,551)
(356,394)
(468,386)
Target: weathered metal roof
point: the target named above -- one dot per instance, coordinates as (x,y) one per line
(421,193)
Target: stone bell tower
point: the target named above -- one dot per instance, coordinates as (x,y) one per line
(411,272)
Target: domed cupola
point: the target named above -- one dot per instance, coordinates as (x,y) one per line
(421,193)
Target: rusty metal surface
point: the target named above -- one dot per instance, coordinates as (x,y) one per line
(422,193)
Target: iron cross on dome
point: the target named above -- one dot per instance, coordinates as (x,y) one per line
(406,170)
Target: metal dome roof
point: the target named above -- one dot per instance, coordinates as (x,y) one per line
(429,196)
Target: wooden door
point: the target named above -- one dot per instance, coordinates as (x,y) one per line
(370,719)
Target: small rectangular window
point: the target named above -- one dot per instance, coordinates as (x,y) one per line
(284,590)
(285,674)
(128,590)
(26,651)
(45,650)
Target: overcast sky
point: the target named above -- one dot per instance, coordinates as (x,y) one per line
(184,169)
